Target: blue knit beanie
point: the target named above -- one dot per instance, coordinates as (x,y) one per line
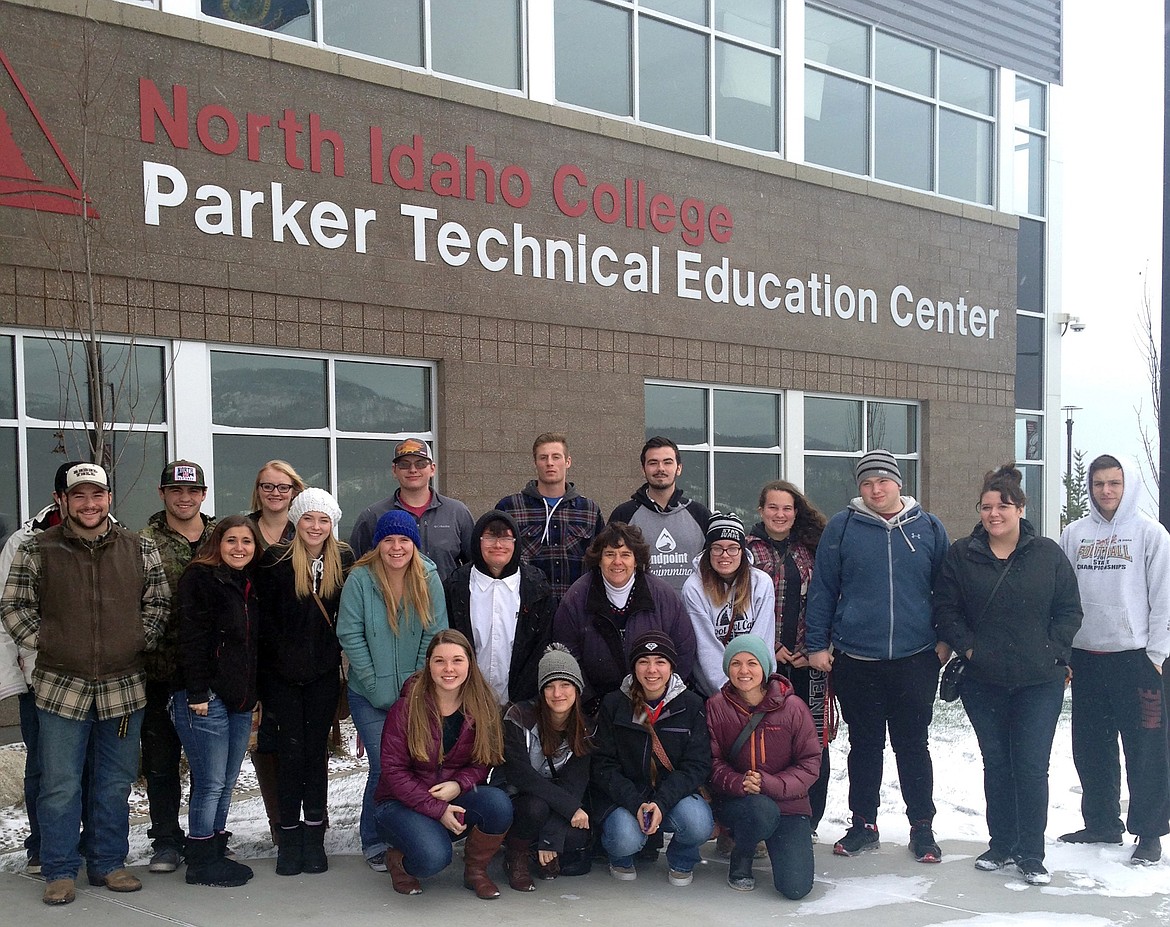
(754,645)
(397,521)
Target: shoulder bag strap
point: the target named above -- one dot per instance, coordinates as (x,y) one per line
(752,723)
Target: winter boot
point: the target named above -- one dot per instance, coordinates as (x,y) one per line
(477,853)
(266,765)
(229,857)
(315,860)
(404,882)
(290,851)
(516,864)
(205,865)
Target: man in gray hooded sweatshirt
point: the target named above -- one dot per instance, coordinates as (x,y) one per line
(1122,560)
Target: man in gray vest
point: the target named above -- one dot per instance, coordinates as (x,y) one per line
(674,526)
(91,598)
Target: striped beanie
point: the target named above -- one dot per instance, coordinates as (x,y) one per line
(878,463)
(723,527)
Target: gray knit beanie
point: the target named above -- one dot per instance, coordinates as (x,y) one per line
(756,646)
(878,463)
(558,663)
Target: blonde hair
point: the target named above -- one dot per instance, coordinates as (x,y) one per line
(479,705)
(287,469)
(331,578)
(415,592)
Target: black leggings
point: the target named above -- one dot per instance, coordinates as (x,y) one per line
(304,717)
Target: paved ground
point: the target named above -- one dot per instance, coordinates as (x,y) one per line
(886,887)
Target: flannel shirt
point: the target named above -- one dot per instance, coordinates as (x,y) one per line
(74,697)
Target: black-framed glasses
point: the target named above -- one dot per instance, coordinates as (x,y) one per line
(281,488)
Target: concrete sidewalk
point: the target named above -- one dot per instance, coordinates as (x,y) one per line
(886,887)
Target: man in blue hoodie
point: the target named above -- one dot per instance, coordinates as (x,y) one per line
(869,620)
(1122,559)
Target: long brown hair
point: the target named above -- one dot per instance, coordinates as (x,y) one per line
(479,706)
(209,553)
(575,734)
(415,592)
(809,524)
(717,589)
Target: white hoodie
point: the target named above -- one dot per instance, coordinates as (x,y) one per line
(1123,570)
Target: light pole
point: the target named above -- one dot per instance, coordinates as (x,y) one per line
(1068,484)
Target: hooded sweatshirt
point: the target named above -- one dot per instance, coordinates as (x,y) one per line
(1123,570)
(871,589)
(533,622)
(715,626)
(676,533)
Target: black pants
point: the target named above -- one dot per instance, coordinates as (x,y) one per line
(811,686)
(533,820)
(1112,694)
(304,716)
(161,753)
(897,695)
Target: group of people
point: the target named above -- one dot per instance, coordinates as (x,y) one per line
(561,686)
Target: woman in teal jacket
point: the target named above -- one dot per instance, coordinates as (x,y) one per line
(386,645)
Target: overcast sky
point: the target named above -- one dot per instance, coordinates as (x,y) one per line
(1110,131)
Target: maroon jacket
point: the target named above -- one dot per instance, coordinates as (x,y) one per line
(783,747)
(405,779)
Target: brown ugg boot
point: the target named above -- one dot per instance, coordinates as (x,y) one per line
(404,882)
(516,864)
(477,853)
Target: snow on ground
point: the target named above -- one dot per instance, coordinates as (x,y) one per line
(958,770)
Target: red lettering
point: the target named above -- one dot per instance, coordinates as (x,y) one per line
(151,107)
(446,182)
(662,213)
(414,154)
(203,126)
(256,122)
(721,224)
(292,129)
(691,214)
(317,136)
(506,176)
(474,169)
(600,192)
(569,208)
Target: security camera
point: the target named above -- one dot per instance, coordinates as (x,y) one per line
(1077,325)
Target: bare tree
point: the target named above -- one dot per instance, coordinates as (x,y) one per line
(1148,345)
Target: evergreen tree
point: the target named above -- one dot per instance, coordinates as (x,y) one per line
(1076,495)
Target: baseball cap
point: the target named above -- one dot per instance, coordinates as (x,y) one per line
(86,473)
(412,447)
(182,473)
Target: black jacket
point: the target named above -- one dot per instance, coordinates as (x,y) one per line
(1023,634)
(621,762)
(218,634)
(534,623)
(297,642)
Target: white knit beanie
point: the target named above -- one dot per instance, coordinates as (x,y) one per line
(315,500)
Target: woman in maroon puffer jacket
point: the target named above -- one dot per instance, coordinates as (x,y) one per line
(761,782)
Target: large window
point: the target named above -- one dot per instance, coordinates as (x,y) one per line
(704,69)
(881,105)
(1031,148)
(336,421)
(837,432)
(729,441)
(50,388)
(479,41)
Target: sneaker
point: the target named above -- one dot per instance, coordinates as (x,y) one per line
(859,838)
(623,873)
(679,879)
(739,875)
(1033,871)
(33,866)
(994,860)
(922,843)
(1147,852)
(166,859)
(815,837)
(1089,835)
(377,862)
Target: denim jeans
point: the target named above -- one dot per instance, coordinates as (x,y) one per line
(788,837)
(690,821)
(113,756)
(895,695)
(369,722)
(215,745)
(1015,727)
(425,843)
(161,752)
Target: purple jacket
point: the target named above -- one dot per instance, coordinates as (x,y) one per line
(405,779)
(784,747)
(602,649)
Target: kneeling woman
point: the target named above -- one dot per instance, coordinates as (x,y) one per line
(212,713)
(765,757)
(440,740)
(652,755)
(546,762)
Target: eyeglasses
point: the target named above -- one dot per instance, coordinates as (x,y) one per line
(407,463)
(730,550)
(490,539)
(281,488)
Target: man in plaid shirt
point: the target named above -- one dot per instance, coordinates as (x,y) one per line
(556,524)
(90,597)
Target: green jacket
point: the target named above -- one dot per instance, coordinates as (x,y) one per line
(162,665)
